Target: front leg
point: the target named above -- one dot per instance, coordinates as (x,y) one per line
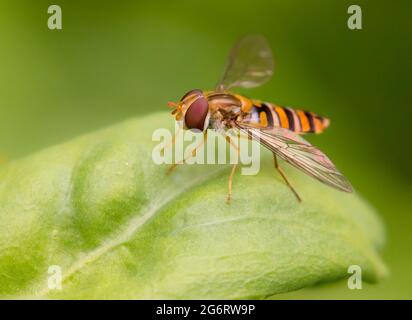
(192,154)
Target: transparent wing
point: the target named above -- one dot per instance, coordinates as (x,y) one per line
(298,152)
(249,65)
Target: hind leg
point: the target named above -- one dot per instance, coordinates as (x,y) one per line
(282,173)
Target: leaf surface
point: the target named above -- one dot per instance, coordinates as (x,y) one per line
(118,227)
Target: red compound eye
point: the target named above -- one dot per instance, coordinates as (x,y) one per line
(196,114)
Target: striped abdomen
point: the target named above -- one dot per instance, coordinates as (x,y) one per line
(299,121)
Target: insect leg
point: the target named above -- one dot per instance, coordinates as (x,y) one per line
(232,172)
(233,145)
(282,173)
(229,193)
(192,154)
(171,143)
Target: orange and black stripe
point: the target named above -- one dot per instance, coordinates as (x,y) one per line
(299,121)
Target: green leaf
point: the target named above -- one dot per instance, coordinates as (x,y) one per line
(118,227)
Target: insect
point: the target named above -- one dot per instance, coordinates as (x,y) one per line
(278,128)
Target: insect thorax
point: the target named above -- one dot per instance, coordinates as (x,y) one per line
(224,109)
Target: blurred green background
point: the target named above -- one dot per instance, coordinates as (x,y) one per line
(118,59)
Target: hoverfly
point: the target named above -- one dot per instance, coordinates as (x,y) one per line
(278,128)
